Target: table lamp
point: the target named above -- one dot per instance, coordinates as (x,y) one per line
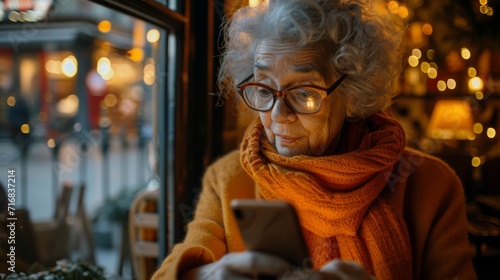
(451,119)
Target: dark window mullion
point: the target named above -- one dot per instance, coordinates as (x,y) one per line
(148,10)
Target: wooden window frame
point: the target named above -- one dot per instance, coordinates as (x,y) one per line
(174,137)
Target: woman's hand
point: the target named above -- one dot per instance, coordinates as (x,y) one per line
(333,270)
(344,270)
(244,265)
(250,265)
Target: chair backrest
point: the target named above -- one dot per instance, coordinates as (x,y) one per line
(490,176)
(63,202)
(53,237)
(85,224)
(143,227)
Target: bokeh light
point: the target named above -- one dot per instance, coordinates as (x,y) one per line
(104,26)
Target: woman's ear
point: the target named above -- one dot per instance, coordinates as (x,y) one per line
(350,109)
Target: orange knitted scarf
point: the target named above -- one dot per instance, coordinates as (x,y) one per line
(339,195)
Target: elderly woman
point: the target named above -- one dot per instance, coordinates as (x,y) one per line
(320,74)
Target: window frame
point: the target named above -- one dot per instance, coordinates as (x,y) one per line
(172,135)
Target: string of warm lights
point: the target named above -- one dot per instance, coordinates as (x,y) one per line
(485,9)
(398,9)
(451,56)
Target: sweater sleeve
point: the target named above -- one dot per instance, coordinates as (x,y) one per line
(213,232)
(205,240)
(439,212)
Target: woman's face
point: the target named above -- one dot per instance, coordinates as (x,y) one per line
(297,134)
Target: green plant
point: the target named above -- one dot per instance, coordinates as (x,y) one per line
(63,270)
(116,209)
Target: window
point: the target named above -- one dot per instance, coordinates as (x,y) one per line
(96,93)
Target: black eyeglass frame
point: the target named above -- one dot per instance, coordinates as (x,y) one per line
(325,92)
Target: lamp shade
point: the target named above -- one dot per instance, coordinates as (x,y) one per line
(451,119)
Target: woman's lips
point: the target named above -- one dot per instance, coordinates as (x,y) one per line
(285,139)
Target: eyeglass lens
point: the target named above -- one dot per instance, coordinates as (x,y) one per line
(300,100)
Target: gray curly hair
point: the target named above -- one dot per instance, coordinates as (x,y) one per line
(355,37)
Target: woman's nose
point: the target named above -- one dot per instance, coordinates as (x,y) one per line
(281,112)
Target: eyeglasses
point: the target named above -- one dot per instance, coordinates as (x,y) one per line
(302,99)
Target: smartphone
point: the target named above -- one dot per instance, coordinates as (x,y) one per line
(271,226)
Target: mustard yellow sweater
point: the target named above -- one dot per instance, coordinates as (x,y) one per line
(422,189)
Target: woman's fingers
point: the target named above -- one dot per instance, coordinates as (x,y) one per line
(346,270)
(255,263)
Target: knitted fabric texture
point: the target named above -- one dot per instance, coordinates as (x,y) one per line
(338,196)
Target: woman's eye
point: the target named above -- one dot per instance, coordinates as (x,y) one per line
(304,94)
(264,92)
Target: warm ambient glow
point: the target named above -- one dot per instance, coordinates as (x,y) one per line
(478,128)
(68,106)
(425,66)
(472,72)
(491,132)
(25,128)
(69,66)
(451,83)
(11,101)
(110,100)
(413,60)
(254,3)
(417,53)
(104,68)
(51,143)
(441,85)
(135,54)
(403,12)
(104,26)
(475,84)
(393,6)
(486,10)
(465,53)
(149,71)
(430,54)
(451,119)
(476,161)
(53,66)
(427,29)
(432,73)
(153,36)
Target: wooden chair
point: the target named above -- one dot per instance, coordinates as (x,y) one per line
(82,239)
(53,236)
(143,229)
